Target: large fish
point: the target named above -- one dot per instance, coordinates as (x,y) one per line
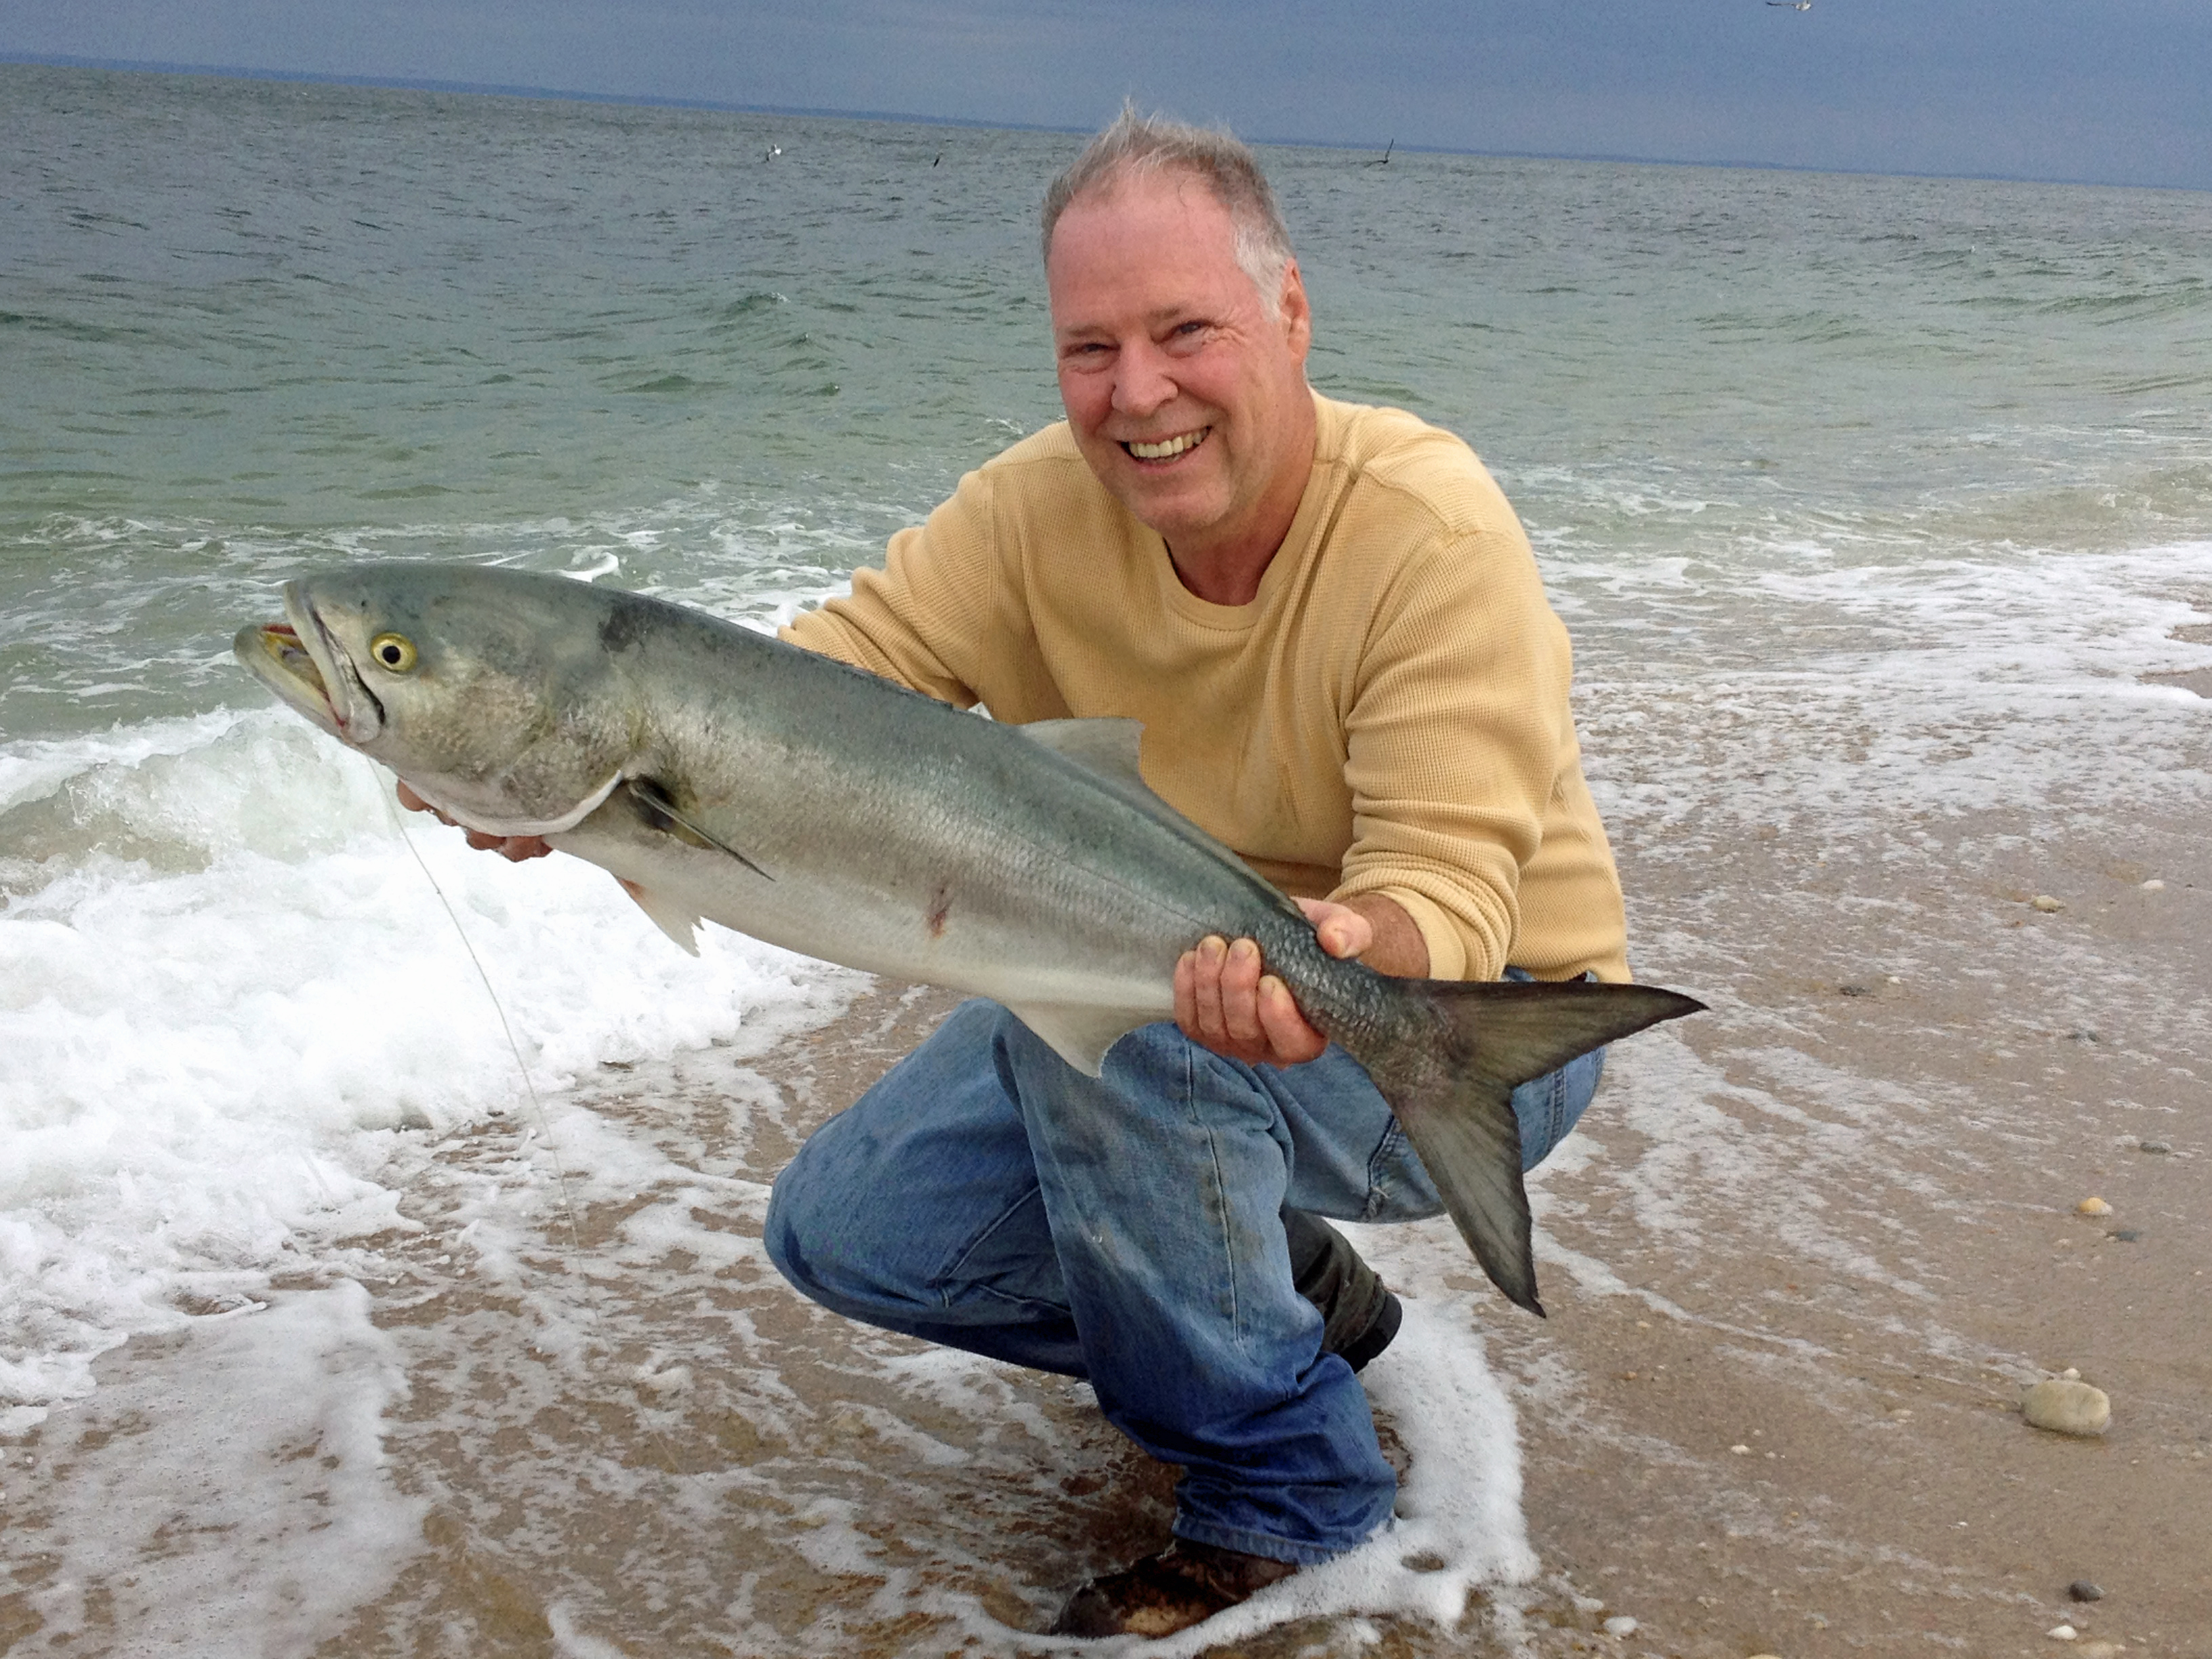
(721,773)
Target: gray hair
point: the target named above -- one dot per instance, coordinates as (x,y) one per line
(1142,146)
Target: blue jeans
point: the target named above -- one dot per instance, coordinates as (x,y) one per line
(1127,1229)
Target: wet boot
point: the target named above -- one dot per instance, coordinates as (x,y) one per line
(1360,1313)
(1183,1585)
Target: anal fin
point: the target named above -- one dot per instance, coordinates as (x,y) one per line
(676,920)
(1080,1034)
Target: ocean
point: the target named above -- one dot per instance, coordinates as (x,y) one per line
(1876,508)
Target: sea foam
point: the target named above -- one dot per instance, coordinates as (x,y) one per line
(213,1052)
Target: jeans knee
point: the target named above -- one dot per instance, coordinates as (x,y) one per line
(784,1227)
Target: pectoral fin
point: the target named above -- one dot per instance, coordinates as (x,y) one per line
(676,920)
(663,814)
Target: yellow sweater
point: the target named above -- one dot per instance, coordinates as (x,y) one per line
(1388,714)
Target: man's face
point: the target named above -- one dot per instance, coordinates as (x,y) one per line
(1187,397)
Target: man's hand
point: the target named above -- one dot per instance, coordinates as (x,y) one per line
(514,848)
(1225,1002)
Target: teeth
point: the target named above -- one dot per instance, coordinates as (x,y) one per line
(1167,448)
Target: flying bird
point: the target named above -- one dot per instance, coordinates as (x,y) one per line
(1794,5)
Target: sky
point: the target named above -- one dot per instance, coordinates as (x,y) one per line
(2106,91)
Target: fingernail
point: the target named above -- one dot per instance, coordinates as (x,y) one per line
(1214,947)
(1242,952)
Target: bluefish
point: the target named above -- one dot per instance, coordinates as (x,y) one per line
(721,773)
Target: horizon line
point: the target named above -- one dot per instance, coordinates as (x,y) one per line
(652,101)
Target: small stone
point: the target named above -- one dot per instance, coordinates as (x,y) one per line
(2045,904)
(2126,1235)
(1740,1451)
(2061,1632)
(2155,1148)
(2071,1375)
(2092,1206)
(2065,1407)
(2101,1650)
(1856,990)
(2153,886)
(2082,1590)
(1620,1626)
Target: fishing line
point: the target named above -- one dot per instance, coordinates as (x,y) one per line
(570,1258)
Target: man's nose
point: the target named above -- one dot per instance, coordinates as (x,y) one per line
(1141,380)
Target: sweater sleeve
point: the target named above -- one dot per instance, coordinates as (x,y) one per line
(1454,743)
(923,620)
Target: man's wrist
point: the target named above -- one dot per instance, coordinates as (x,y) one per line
(1400,948)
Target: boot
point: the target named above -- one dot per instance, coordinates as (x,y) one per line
(1360,1313)
(1183,1585)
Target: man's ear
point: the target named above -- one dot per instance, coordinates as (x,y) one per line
(1296,312)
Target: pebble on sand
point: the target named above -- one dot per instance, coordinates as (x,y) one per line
(2045,904)
(2092,1206)
(2155,1148)
(2153,886)
(2061,1632)
(2064,1406)
(1621,1625)
(2082,1590)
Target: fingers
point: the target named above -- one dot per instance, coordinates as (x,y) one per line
(515,849)
(1204,994)
(1290,1038)
(415,803)
(1342,930)
(1224,1000)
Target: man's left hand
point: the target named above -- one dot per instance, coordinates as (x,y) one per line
(1225,1000)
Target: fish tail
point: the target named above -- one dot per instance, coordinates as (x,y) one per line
(1447,1057)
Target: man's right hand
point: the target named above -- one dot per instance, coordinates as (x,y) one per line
(514,848)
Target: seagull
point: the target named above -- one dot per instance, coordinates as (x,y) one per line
(1794,5)
(775,151)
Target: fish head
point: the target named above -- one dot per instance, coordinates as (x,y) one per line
(488,691)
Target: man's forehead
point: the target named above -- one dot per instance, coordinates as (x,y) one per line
(1167,275)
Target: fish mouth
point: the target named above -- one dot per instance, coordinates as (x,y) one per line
(298,660)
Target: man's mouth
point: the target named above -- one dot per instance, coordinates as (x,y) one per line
(1166,449)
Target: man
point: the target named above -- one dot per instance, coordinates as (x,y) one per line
(1330,624)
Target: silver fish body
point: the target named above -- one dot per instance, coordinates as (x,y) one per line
(726,775)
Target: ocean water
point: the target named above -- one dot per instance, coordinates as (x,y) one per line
(1873,505)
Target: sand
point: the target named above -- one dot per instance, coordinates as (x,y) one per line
(1800,1261)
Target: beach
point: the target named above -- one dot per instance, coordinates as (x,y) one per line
(379,1263)
(1766,1414)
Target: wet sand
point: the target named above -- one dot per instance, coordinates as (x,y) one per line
(1800,1261)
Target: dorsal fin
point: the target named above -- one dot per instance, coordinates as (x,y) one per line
(1108,747)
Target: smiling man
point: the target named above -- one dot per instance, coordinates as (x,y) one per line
(1329,621)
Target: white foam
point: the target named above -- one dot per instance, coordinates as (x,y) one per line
(254,1511)
(221,1059)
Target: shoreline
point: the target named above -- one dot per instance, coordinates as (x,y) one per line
(1829,1224)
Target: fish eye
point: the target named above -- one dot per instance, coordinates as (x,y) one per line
(394,651)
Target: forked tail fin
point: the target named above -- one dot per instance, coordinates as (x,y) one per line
(1450,1076)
